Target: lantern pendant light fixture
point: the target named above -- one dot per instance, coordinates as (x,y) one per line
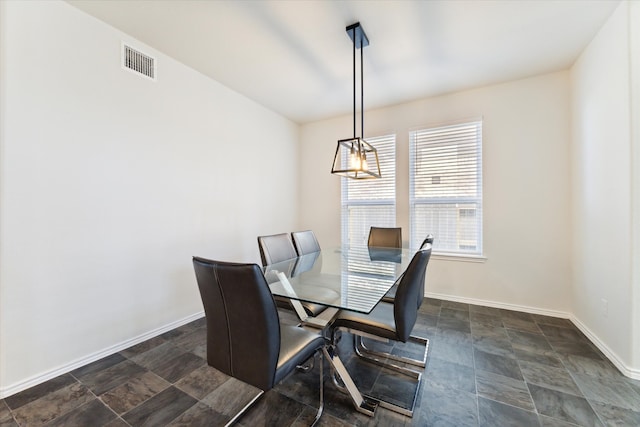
(355,158)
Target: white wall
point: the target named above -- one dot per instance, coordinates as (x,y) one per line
(634,51)
(110,183)
(527,231)
(601,177)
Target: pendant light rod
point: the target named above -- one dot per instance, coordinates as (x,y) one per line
(353,37)
(360,40)
(361,92)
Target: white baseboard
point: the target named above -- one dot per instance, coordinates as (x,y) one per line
(612,356)
(626,371)
(515,307)
(68,367)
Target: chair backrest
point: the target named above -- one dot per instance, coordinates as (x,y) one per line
(305,242)
(243,328)
(385,237)
(276,248)
(428,239)
(410,293)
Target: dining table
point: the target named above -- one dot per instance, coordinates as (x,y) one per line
(353,277)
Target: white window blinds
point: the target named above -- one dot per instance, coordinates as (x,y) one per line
(370,202)
(445,192)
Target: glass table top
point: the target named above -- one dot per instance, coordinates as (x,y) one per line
(352,278)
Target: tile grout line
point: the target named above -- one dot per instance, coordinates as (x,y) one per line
(99,398)
(584,395)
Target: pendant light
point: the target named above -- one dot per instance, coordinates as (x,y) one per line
(355,158)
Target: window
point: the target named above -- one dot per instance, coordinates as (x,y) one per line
(370,202)
(445,193)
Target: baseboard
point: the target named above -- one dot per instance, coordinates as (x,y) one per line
(612,356)
(505,306)
(68,367)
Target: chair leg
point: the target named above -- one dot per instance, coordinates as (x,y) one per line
(321,407)
(366,353)
(306,367)
(382,403)
(235,418)
(387,361)
(399,409)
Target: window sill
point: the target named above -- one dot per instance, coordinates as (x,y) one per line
(458,257)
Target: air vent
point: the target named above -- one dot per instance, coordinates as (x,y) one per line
(138,62)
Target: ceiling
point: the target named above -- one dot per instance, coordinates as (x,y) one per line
(295,57)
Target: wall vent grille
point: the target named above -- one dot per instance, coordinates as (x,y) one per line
(138,62)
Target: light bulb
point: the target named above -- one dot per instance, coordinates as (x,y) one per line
(354,157)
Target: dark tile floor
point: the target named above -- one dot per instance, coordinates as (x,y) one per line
(486,367)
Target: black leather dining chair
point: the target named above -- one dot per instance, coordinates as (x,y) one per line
(305,242)
(428,239)
(392,322)
(390,296)
(245,338)
(276,248)
(387,237)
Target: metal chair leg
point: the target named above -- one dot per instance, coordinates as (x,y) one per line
(306,367)
(387,360)
(240,413)
(321,408)
(366,353)
(399,409)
